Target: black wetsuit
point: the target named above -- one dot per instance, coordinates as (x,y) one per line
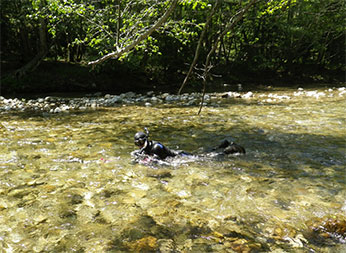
(159,151)
(155,148)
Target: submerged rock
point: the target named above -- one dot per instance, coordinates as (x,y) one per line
(327,228)
(166,245)
(145,244)
(236,242)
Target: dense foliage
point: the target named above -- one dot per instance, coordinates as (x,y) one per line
(278,37)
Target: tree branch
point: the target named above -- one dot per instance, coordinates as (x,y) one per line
(199,45)
(142,37)
(234,20)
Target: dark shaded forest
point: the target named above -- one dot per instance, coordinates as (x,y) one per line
(122,45)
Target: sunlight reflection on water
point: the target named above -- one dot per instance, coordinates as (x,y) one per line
(68,182)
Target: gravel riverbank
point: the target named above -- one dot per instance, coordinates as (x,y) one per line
(52,104)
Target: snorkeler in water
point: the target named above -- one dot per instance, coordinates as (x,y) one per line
(152,148)
(158,150)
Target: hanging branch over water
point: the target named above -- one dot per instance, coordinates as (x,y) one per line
(121,51)
(193,64)
(207,66)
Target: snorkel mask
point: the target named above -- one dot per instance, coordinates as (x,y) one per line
(141,138)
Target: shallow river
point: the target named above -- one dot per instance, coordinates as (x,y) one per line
(68,182)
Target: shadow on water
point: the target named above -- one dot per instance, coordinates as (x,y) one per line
(284,148)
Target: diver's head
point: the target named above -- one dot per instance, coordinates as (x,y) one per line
(140,139)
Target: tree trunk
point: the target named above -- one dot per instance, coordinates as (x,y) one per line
(234,20)
(43,50)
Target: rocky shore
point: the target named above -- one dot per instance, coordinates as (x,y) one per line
(52,104)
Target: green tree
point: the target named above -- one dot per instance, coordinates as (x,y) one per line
(163,38)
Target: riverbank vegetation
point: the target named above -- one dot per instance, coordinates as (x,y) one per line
(122,45)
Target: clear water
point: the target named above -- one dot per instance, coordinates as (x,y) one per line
(67,181)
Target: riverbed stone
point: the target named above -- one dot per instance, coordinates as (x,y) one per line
(171,98)
(165,245)
(57,110)
(154,99)
(248,95)
(231,94)
(116,99)
(56,105)
(129,94)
